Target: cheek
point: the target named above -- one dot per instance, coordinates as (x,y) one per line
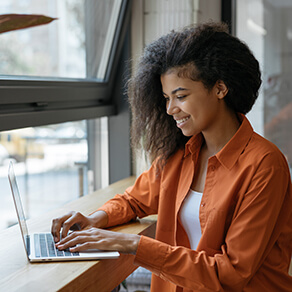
(208,105)
(202,111)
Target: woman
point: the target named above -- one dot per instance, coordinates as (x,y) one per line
(222,192)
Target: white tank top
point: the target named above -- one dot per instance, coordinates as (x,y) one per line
(189,217)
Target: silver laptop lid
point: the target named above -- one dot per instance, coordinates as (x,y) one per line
(19,208)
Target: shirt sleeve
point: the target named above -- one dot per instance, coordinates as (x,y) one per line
(261,217)
(256,226)
(139,200)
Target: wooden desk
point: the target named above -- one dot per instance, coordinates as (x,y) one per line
(17,274)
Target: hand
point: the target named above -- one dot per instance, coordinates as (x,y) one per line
(76,221)
(95,238)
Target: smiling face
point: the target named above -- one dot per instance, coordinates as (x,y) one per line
(194,107)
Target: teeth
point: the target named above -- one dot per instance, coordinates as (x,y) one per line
(182,120)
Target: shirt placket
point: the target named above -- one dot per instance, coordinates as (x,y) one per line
(209,184)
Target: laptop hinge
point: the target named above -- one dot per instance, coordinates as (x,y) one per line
(27,244)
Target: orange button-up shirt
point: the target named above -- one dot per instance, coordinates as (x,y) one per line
(245,217)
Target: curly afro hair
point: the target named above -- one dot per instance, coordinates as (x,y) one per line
(206,53)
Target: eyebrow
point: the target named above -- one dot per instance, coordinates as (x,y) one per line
(176,90)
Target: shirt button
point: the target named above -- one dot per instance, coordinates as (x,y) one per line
(203,204)
(212,167)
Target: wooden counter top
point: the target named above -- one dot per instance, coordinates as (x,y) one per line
(17,274)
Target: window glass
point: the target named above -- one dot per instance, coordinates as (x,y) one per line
(50,164)
(77,45)
(266,26)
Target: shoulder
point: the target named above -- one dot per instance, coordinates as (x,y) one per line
(264,153)
(159,166)
(174,160)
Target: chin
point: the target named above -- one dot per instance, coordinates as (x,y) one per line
(189,133)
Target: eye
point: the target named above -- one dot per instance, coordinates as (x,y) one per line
(181,97)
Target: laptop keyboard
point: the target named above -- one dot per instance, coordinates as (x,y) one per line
(45,247)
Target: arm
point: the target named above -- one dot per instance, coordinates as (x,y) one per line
(122,208)
(140,200)
(95,238)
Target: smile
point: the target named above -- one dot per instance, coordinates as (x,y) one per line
(182,120)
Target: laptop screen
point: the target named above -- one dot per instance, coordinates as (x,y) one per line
(18,206)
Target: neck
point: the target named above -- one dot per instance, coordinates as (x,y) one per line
(223,130)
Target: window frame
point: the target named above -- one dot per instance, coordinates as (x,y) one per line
(228,8)
(30,102)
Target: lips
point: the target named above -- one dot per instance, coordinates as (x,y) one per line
(182,120)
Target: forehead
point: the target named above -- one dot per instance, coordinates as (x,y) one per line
(180,74)
(171,83)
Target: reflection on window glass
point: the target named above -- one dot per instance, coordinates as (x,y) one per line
(50,165)
(77,45)
(266,26)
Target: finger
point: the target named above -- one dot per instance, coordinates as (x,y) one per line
(84,246)
(69,237)
(72,241)
(57,225)
(73,235)
(89,239)
(70,222)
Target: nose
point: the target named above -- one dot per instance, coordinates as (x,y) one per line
(171,107)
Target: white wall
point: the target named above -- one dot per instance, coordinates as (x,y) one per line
(153,18)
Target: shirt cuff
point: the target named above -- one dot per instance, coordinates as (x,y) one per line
(151,254)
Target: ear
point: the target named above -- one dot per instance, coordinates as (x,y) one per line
(220,89)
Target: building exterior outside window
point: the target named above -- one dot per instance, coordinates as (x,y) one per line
(266,26)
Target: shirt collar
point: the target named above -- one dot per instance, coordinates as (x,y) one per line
(194,144)
(230,153)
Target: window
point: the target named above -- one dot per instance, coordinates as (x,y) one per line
(50,163)
(62,48)
(266,26)
(64,70)
(59,83)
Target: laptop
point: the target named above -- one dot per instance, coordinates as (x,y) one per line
(40,247)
